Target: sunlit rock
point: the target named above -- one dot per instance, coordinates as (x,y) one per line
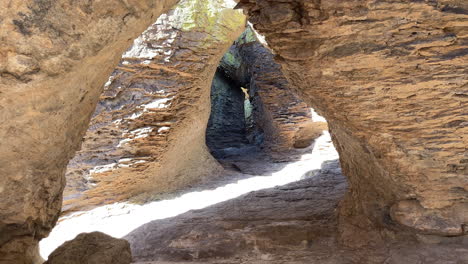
(55,56)
(390,78)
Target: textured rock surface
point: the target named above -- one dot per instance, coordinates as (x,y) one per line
(55,57)
(283,119)
(391,79)
(92,248)
(148,132)
(390,76)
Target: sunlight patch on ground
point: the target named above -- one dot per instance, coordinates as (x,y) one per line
(316,117)
(121,218)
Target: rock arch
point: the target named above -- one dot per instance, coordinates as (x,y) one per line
(147,135)
(389,76)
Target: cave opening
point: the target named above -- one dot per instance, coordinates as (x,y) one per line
(227,133)
(254,111)
(232,132)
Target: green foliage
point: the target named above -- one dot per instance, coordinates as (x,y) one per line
(213,17)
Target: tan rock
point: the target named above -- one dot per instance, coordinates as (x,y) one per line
(19,65)
(45,112)
(390,77)
(439,222)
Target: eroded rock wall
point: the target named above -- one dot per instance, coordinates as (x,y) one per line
(391,79)
(279,115)
(147,135)
(55,57)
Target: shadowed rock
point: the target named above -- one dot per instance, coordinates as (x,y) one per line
(92,248)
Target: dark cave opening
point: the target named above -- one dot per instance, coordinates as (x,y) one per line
(231,129)
(254,110)
(227,126)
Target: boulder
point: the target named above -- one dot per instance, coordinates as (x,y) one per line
(92,248)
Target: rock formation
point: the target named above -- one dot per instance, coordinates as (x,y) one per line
(147,135)
(390,77)
(90,248)
(282,118)
(55,57)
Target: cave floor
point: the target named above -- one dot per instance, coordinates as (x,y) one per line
(259,211)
